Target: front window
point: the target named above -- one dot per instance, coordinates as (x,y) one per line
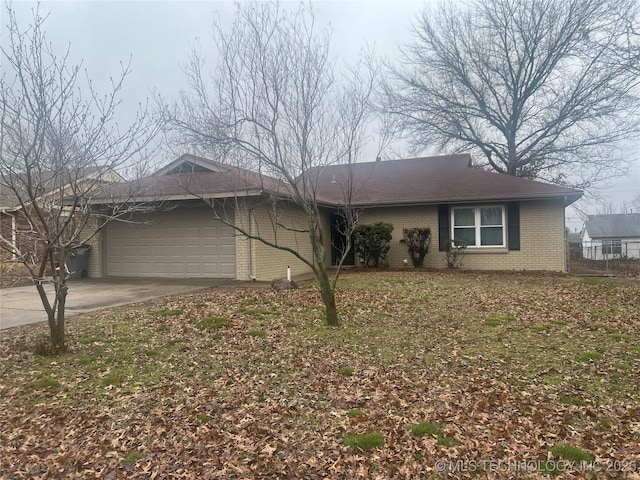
(612,247)
(479,226)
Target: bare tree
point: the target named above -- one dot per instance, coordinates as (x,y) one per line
(59,143)
(542,89)
(275,105)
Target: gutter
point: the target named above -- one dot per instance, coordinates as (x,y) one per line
(168,198)
(568,199)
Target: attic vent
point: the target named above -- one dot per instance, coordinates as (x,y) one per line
(187,167)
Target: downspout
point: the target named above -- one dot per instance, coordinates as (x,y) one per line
(249,247)
(14,236)
(565,243)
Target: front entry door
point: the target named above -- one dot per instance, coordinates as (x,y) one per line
(339,242)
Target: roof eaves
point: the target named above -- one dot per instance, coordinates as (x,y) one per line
(461,200)
(176,197)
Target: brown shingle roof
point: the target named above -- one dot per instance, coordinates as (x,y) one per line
(443,179)
(166,184)
(429,180)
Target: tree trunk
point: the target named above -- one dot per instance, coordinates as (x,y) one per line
(328,297)
(55,313)
(57,336)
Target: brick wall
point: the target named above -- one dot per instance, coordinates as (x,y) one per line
(267,262)
(542,245)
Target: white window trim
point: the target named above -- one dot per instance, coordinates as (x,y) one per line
(612,246)
(477,226)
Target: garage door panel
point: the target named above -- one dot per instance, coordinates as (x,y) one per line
(178,243)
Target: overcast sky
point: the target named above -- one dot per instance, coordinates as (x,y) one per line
(158,36)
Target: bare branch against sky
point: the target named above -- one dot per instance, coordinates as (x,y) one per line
(542,89)
(158,36)
(60,142)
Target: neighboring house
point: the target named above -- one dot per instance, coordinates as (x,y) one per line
(16,231)
(509,223)
(611,236)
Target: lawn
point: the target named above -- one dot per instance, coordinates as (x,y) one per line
(470,375)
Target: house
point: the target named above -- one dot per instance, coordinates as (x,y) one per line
(21,228)
(611,236)
(509,223)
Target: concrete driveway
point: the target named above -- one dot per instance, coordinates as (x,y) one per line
(22,305)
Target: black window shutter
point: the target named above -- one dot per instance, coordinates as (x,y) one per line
(443,226)
(513,225)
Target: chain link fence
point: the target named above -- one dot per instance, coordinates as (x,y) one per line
(615,257)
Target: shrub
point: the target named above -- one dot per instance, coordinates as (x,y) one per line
(372,243)
(454,252)
(418,241)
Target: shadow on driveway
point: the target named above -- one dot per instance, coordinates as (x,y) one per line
(22,305)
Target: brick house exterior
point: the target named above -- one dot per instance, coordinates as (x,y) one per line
(525,231)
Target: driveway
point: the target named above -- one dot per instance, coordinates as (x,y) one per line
(22,305)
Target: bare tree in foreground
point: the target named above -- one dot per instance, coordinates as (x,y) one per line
(542,89)
(275,105)
(59,142)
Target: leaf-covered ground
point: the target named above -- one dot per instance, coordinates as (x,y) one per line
(452,374)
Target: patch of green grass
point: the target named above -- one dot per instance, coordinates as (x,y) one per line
(132,458)
(346,371)
(588,356)
(425,428)
(448,441)
(257,333)
(199,305)
(211,323)
(175,341)
(290,324)
(620,336)
(558,323)
(605,423)
(86,360)
(539,328)
(166,313)
(47,382)
(596,281)
(111,380)
(355,412)
(151,353)
(497,320)
(258,311)
(365,441)
(203,417)
(571,453)
(569,400)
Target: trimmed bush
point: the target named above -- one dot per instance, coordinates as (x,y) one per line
(372,243)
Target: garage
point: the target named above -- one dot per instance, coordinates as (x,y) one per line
(180,243)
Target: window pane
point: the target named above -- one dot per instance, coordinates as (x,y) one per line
(491,236)
(467,235)
(463,217)
(491,216)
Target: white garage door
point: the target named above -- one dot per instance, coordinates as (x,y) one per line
(181,243)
